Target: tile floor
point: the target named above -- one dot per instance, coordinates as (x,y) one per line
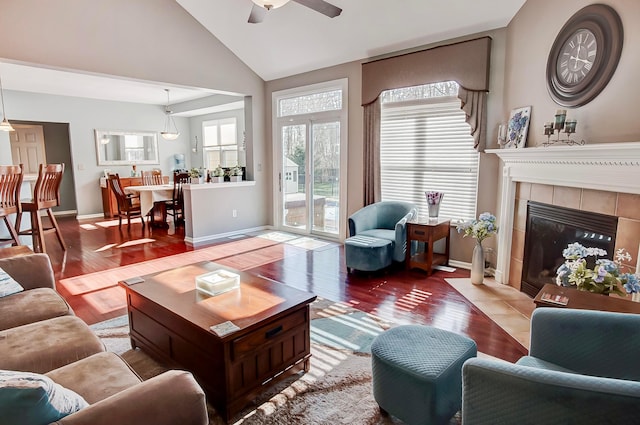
(505,305)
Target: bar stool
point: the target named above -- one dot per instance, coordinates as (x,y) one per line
(10,183)
(46,195)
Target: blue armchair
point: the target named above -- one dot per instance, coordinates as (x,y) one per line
(378,234)
(583,367)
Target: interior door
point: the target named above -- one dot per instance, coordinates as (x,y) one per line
(27,147)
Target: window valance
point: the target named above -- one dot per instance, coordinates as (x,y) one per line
(466,62)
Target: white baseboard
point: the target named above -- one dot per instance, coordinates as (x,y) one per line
(203,240)
(460,264)
(90,216)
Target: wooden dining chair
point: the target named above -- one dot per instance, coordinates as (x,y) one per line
(46,195)
(175,206)
(152,177)
(127,207)
(10,183)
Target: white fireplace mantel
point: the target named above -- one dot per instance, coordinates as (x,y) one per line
(613,167)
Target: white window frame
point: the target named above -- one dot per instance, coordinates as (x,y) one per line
(277,122)
(218,122)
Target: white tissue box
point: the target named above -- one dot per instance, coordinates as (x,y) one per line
(217,282)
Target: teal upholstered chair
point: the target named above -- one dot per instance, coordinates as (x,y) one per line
(378,235)
(583,367)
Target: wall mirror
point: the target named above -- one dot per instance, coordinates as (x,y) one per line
(116,147)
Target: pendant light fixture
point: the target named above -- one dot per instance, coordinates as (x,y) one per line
(4,125)
(170,129)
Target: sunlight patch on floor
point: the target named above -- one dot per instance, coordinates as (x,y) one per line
(278,236)
(88,227)
(136,242)
(105,247)
(108,223)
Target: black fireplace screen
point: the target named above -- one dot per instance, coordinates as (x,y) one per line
(549,230)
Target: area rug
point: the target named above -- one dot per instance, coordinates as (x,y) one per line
(336,390)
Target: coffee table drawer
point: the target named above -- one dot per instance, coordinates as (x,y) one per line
(267,333)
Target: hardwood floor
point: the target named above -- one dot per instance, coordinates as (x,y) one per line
(398,295)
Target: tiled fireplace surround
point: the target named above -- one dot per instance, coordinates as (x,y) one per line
(601,178)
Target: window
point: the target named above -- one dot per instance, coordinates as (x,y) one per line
(425,144)
(310,130)
(134,148)
(220,145)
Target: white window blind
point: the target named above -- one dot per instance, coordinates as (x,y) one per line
(427,145)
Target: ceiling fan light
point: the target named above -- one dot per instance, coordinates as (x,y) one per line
(270,4)
(6,126)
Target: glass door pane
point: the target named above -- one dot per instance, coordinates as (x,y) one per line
(295,211)
(326,176)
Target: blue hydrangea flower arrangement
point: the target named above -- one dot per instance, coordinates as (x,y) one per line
(481,228)
(604,278)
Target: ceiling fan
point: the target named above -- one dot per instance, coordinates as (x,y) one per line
(261,7)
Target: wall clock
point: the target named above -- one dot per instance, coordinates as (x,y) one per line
(584,55)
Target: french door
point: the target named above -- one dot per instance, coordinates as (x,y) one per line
(309,176)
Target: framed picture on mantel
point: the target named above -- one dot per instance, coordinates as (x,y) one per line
(518,127)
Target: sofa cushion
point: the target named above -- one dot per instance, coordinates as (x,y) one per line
(386,234)
(31,306)
(46,345)
(8,285)
(33,399)
(96,377)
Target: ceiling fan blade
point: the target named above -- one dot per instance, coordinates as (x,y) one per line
(321,6)
(257,14)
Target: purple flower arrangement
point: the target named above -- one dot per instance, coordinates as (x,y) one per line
(434,198)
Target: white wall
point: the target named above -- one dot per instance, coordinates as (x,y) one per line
(152,40)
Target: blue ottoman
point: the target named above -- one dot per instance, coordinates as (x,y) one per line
(367,253)
(417,373)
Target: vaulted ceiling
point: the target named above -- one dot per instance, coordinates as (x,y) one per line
(294,39)
(291,39)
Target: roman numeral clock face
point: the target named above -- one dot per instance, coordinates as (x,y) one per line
(584,55)
(577,57)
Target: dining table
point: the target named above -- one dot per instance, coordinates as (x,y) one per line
(152,199)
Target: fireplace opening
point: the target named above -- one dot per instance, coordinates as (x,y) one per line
(549,230)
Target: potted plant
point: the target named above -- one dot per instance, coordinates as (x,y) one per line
(217,175)
(196,175)
(235,174)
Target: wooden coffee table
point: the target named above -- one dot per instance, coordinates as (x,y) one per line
(171,320)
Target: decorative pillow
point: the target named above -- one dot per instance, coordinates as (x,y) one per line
(8,286)
(33,399)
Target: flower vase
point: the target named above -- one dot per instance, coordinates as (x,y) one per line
(477,264)
(433,203)
(434,211)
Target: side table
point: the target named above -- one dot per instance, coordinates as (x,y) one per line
(428,232)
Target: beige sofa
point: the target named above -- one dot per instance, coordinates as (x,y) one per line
(39,333)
